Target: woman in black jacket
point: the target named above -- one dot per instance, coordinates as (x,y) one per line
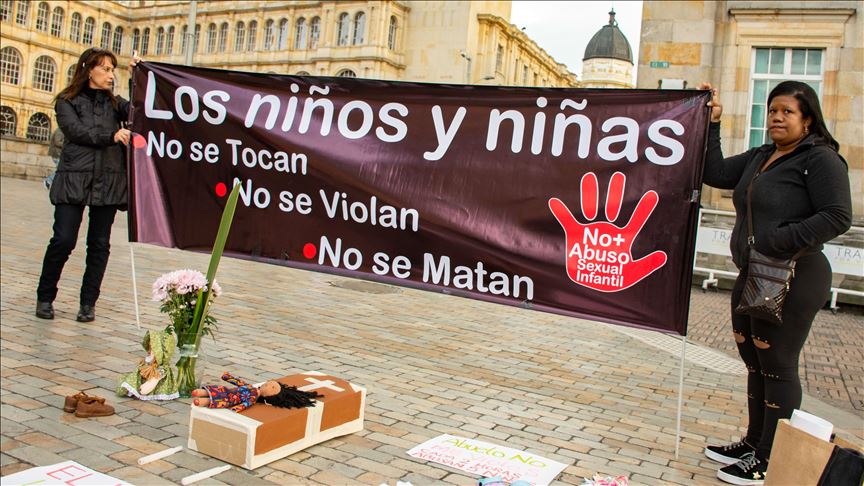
(800,200)
(92,172)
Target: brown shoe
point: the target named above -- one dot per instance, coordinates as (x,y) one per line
(93,407)
(71,402)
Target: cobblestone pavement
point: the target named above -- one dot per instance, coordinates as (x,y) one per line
(600,398)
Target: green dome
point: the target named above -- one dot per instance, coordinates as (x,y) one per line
(609,42)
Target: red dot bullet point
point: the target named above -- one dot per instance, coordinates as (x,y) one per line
(138,141)
(221,190)
(309,250)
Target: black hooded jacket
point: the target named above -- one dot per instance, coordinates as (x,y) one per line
(800,202)
(92,168)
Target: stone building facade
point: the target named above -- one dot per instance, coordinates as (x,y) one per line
(745,48)
(608,61)
(469,42)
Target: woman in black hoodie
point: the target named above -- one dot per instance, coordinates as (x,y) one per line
(800,200)
(91,173)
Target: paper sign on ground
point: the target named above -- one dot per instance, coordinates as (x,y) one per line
(487,460)
(64,473)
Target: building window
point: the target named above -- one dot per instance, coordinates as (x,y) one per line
(10,65)
(251,36)
(70,73)
(342,28)
(160,40)
(347,73)
(268,35)
(8,121)
(300,34)
(23,12)
(105,43)
(359,28)
(499,58)
(303,73)
(283,35)
(211,38)
(239,36)
(39,127)
(89,26)
(770,67)
(43,74)
(196,37)
(524,75)
(184,39)
(5,12)
(223,36)
(391,34)
(75,28)
(118,40)
(57,21)
(169,41)
(314,32)
(136,39)
(42,17)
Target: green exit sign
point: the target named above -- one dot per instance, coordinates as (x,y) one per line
(660,64)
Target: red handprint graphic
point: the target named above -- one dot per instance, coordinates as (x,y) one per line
(599,253)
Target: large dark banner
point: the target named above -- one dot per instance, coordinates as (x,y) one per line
(574,201)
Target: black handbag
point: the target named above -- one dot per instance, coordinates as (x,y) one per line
(768,278)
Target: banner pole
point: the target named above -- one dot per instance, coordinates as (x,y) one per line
(134,286)
(680,396)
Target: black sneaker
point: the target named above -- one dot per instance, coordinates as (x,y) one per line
(729,454)
(749,470)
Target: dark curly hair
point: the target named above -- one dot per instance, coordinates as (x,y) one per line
(290,397)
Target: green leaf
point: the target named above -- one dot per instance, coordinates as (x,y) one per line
(203,304)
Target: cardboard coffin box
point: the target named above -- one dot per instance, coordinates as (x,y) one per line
(263,433)
(797,457)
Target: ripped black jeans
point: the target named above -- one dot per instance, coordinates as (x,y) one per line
(771,352)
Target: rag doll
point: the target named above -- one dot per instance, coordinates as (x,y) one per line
(245,395)
(153,379)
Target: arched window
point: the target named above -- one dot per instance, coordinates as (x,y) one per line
(145,41)
(211,38)
(70,73)
(223,36)
(183,39)
(8,121)
(239,36)
(314,32)
(89,25)
(251,36)
(283,35)
(169,41)
(347,73)
(136,39)
(5,11)
(42,17)
(303,73)
(160,40)
(118,40)
(105,43)
(359,28)
(391,36)
(39,127)
(196,37)
(10,65)
(300,34)
(342,28)
(268,35)
(75,27)
(57,21)
(43,74)
(22,14)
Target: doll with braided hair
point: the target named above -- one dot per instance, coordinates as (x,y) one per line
(244,395)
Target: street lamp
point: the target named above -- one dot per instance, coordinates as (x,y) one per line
(468,71)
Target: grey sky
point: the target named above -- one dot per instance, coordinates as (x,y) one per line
(563,28)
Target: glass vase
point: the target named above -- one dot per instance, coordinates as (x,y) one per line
(189,365)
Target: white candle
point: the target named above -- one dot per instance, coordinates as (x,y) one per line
(159,455)
(204,474)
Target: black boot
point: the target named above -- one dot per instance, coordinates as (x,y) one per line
(44,310)
(86,313)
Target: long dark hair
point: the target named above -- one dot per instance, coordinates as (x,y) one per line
(290,397)
(808,101)
(89,59)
